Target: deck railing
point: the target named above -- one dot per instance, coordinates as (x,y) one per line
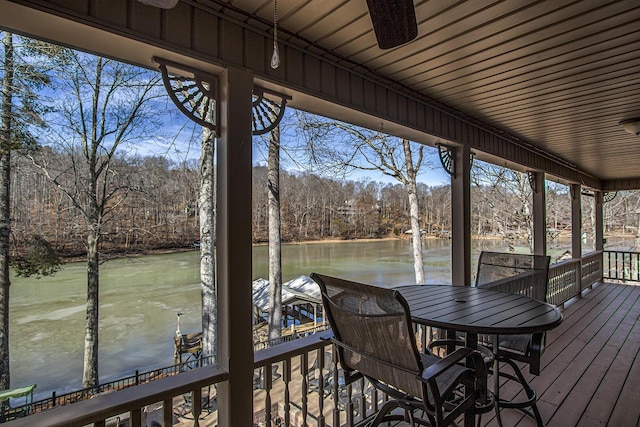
(296,381)
(567,279)
(261,345)
(591,269)
(621,265)
(137,378)
(130,403)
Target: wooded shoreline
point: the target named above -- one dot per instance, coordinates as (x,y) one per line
(177,249)
(116,254)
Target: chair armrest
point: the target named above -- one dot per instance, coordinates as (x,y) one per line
(537,343)
(536,349)
(431,372)
(485,351)
(477,368)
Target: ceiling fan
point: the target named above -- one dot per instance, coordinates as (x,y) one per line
(163,4)
(394,21)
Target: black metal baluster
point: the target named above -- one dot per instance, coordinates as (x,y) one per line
(321,386)
(286,367)
(304,371)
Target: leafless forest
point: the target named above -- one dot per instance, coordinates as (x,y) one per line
(162,211)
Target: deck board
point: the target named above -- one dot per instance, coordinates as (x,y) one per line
(591,366)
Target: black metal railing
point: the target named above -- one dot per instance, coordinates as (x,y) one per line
(621,265)
(261,345)
(86,393)
(299,384)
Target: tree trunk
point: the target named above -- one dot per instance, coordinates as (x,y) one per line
(90,372)
(275,257)
(414,212)
(5,231)
(207,245)
(5,219)
(415,235)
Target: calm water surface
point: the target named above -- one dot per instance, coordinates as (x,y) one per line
(140,297)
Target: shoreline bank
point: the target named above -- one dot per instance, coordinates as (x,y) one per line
(178,249)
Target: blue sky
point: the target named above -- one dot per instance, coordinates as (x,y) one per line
(179,140)
(432,173)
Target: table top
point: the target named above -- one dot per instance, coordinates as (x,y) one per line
(478,310)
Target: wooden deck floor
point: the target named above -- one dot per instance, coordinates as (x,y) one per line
(591,366)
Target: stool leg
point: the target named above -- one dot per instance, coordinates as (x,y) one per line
(496,379)
(530,392)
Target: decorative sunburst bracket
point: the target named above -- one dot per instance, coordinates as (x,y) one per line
(193,91)
(447,158)
(532,181)
(268,109)
(607,197)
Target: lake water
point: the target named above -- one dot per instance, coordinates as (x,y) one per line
(140,297)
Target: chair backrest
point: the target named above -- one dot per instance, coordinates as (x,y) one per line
(516,273)
(373,331)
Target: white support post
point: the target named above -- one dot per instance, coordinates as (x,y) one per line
(233,249)
(461,218)
(599,207)
(576,221)
(539,215)
(576,230)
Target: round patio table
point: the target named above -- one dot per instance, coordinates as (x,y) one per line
(478,310)
(484,311)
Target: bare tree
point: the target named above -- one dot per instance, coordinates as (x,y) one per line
(207,244)
(409,179)
(207,216)
(504,197)
(275,237)
(364,149)
(104,105)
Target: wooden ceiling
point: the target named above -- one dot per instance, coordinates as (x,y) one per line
(557,74)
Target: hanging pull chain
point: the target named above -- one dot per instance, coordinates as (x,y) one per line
(275,58)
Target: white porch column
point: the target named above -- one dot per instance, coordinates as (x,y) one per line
(576,221)
(233,249)
(539,214)
(461,218)
(599,207)
(576,229)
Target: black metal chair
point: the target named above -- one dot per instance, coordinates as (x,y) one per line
(373,333)
(518,274)
(521,274)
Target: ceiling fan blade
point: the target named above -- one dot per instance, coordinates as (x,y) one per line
(163,4)
(394,22)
